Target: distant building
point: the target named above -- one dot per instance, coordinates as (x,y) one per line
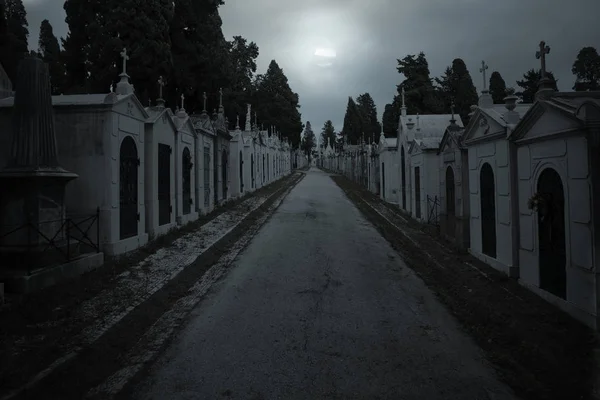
(5,85)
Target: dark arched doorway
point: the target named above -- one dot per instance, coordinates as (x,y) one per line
(252,170)
(403,177)
(488,210)
(551,234)
(186,181)
(383,180)
(450,201)
(241,172)
(128,188)
(418,192)
(164,184)
(263,170)
(268,169)
(224,166)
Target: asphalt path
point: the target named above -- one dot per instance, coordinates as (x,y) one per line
(319,306)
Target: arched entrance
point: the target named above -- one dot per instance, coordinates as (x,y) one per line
(224,166)
(418,192)
(403,176)
(450,201)
(383,180)
(164,184)
(488,210)
(252,169)
(128,189)
(551,234)
(186,178)
(241,172)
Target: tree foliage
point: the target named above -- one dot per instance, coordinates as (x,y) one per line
(457,85)
(328,135)
(371,128)
(13,41)
(353,123)
(421,96)
(242,55)
(497,87)
(390,120)
(49,51)
(309,141)
(530,83)
(277,105)
(586,69)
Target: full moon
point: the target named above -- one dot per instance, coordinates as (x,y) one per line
(325,56)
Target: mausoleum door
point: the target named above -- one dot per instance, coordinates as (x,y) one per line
(488,210)
(186,167)
(403,172)
(252,169)
(551,234)
(128,189)
(241,172)
(164,184)
(224,173)
(207,177)
(383,180)
(418,192)
(450,201)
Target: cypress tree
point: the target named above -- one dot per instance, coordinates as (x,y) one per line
(49,51)
(14,48)
(497,87)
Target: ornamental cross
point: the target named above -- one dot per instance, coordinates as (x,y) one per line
(483,68)
(204,98)
(221,97)
(182,100)
(125,58)
(541,54)
(452,109)
(161,84)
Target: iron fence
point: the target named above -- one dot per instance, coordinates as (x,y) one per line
(50,242)
(433,205)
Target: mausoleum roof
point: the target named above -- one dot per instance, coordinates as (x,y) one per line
(497,111)
(429,125)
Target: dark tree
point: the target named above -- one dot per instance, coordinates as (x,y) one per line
(421,96)
(49,51)
(586,69)
(277,105)
(497,87)
(13,43)
(390,120)
(309,141)
(530,84)
(456,85)
(144,32)
(370,125)
(353,123)
(328,134)
(243,57)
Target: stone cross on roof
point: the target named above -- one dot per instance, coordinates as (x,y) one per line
(541,54)
(483,68)
(237,122)
(204,99)
(403,102)
(125,58)
(182,101)
(161,84)
(221,97)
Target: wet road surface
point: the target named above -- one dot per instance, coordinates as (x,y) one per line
(319,306)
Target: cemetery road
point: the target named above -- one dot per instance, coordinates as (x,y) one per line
(319,306)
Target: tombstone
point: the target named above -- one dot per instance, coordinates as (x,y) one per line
(33,210)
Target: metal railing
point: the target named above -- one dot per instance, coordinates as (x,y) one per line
(49,242)
(433,205)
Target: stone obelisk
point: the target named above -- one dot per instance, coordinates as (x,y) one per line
(32,202)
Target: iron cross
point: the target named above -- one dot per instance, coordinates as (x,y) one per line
(483,68)
(541,54)
(182,100)
(204,98)
(161,84)
(125,58)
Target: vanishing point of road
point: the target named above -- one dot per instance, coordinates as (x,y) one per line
(319,306)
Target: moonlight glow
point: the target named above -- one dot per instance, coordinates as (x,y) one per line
(325,52)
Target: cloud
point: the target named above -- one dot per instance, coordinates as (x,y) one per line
(368,38)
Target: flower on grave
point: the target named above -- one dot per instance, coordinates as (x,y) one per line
(536,202)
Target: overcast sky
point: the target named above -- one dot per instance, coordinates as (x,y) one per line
(369,36)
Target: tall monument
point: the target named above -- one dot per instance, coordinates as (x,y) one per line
(32,207)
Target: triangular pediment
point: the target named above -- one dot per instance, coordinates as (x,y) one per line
(542,121)
(130,106)
(482,127)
